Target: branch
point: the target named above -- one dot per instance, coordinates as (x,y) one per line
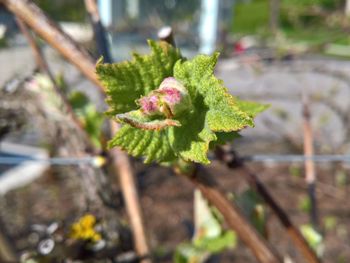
(44,68)
(310,174)
(36,19)
(233,162)
(236,221)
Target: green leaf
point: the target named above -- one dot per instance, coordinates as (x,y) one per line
(223,113)
(226,240)
(151,144)
(78,100)
(212,116)
(250,107)
(129,80)
(188,253)
(209,238)
(314,238)
(89,116)
(209,234)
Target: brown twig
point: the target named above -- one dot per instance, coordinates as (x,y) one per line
(234,162)
(131,196)
(49,31)
(44,68)
(126,176)
(89,180)
(37,20)
(310,174)
(263,251)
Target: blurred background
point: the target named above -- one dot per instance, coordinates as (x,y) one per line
(290,54)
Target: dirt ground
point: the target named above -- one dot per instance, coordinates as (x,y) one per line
(167,205)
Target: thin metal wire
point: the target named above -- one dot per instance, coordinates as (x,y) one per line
(51,161)
(295,158)
(248,158)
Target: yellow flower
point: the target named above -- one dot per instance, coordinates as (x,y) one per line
(84,229)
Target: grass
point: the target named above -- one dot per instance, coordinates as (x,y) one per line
(251,18)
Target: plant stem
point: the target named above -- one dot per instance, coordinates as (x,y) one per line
(236,221)
(44,68)
(234,162)
(36,19)
(310,174)
(131,196)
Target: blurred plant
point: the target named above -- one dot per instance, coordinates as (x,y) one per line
(64,10)
(88,115)
(82,240)
(295,170)
(330,223)
(85,229)
(314,238)
(3,40)
(252,206)
(209,237)
(341,178)
(305,204)
(82,106)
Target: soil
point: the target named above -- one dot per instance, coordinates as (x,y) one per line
(167,205)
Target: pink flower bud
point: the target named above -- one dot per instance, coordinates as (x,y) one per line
(174,95)
(150,105)
(169,100)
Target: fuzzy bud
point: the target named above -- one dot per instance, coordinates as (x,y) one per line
(169,100)
(174,96)
(150,105)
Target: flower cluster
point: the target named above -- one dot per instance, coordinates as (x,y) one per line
(84,229)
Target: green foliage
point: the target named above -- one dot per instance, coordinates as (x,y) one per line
(305,204)
(341,178)
(209,236)
(213,111)
(128,81)
(314,238)
(64,10)
(171,12)
(252,206)
(330,223)
(326,4)
(295,170)
(88,115)
(251,17)
(3,43)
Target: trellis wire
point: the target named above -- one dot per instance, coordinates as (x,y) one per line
(94,160)
(296,158)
